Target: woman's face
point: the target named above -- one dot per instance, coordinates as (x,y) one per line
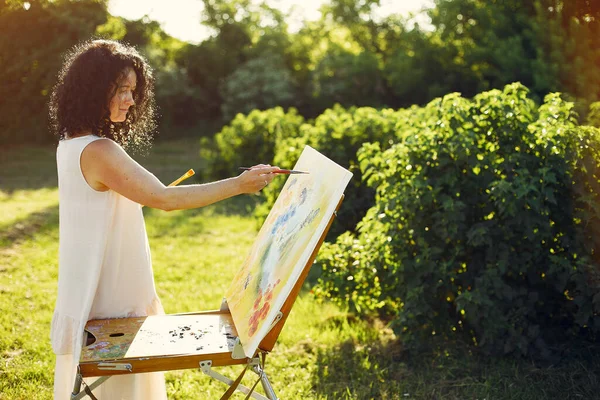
(123,97)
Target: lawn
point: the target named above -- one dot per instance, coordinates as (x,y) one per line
(323,353)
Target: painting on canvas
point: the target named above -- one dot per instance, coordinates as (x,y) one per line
(284,245)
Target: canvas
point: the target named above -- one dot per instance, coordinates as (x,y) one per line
(284,245)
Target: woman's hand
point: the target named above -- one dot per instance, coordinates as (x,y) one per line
(256,178)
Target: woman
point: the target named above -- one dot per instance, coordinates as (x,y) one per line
(102,102)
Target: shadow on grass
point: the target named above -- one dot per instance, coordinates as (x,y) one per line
(193,221)
(38,222)
(378,370)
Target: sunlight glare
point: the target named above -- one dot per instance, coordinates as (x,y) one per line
(181,18)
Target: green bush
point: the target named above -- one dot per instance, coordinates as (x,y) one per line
(485,226)
(248,140)
(338,133)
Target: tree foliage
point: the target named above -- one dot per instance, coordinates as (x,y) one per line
(29,61)
(259,84)
(351,56)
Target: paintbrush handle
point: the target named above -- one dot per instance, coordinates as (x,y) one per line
(278,171)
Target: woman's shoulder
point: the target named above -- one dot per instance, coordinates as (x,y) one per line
(104,149)
(89,145)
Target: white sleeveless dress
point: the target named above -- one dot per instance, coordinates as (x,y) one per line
(105,271)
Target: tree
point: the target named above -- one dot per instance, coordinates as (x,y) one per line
(29,61)
(567,50)
(261,83)
(548,45)
(347,78)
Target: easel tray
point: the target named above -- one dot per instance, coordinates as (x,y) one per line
(158,343)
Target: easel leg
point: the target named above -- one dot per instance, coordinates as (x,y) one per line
(206,367)
(78,394)
(264,381)
(77,387)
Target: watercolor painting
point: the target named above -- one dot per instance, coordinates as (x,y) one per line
(284,245)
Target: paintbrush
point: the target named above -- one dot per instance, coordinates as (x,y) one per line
(278,171)
(182,178)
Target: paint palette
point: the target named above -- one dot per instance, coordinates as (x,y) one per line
(166,342)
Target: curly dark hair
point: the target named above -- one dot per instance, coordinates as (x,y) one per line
(86,83)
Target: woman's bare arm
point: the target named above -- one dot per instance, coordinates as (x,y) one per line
(105,165)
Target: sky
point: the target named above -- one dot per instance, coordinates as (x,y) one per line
(181,18)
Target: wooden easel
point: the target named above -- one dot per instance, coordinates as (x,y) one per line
(181,341)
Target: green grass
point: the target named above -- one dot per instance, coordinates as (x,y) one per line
(323,352)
